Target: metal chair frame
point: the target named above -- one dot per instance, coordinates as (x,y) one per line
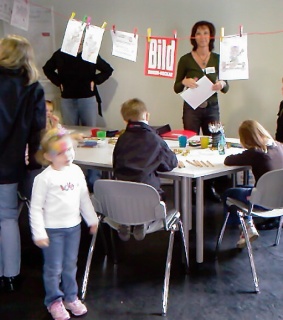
(130,203)
(267,194)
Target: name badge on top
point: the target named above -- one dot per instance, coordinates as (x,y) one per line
(209,70)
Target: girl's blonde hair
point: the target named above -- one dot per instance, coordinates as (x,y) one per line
(16,53)
(254,136)
(49,137)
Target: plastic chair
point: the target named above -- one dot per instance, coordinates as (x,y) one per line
(130,203)
(267,194)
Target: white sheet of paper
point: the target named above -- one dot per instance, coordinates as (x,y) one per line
(195,97)
(234,64)
(125,45)
(72,37)
(6,7)
(20,14)
(92,43)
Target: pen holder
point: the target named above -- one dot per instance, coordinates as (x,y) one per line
(215,139)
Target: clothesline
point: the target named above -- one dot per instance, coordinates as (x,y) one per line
(135,29)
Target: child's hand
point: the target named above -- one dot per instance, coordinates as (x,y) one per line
(77,136)
(93,229)
(42,243)
(54,120)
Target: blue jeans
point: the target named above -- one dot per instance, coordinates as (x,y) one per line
(81,111)
(239,193)
(10,242)
(60,264)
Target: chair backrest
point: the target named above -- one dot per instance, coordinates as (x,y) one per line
(127,202)
(268,192)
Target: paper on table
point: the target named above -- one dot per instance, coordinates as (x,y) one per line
(195,97)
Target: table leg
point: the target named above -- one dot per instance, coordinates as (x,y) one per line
(199,220)
(186,190)
(177,194)
(189,201)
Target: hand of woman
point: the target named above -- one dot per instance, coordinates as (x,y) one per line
(219,85)
(190,83)
(93,229)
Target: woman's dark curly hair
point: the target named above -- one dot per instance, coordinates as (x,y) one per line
(211,31)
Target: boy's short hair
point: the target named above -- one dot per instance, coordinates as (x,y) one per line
(133,110)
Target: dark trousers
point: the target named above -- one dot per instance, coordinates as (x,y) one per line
(200,118)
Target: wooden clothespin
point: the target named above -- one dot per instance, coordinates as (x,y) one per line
(148,34)
(175,34)
(84,19)
(221,34)
(88,21)
(241,30)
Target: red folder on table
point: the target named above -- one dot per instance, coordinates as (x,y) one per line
(175,134)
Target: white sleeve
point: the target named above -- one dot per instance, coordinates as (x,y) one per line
(86,206)
(36,215)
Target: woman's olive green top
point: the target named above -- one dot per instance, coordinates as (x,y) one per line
(188,68)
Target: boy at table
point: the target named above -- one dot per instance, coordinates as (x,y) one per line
(138,154)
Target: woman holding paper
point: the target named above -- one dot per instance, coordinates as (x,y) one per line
(201,61)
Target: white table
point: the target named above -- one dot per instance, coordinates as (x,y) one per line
(100,157)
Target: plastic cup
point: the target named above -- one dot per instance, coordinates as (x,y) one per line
(204,141)
(94,132)
(101,134)
(183,141)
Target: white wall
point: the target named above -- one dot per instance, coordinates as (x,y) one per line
(257,98)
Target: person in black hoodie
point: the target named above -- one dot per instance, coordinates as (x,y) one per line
(139,154)
(78,80)
(22,118)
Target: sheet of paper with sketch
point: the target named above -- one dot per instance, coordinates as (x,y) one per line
(195,97)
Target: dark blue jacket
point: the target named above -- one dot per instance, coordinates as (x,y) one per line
(139,153)
(22,117)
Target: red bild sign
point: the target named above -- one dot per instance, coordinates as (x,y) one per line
(160,59)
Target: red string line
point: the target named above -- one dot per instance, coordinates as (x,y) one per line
(178,38)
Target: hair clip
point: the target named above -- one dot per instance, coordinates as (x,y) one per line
(54,133)
(62,131)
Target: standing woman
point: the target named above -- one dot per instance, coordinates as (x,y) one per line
(78,80)
(22,117)
(201,61)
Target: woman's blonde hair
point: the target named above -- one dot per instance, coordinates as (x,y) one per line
(16,53)
(254,136)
